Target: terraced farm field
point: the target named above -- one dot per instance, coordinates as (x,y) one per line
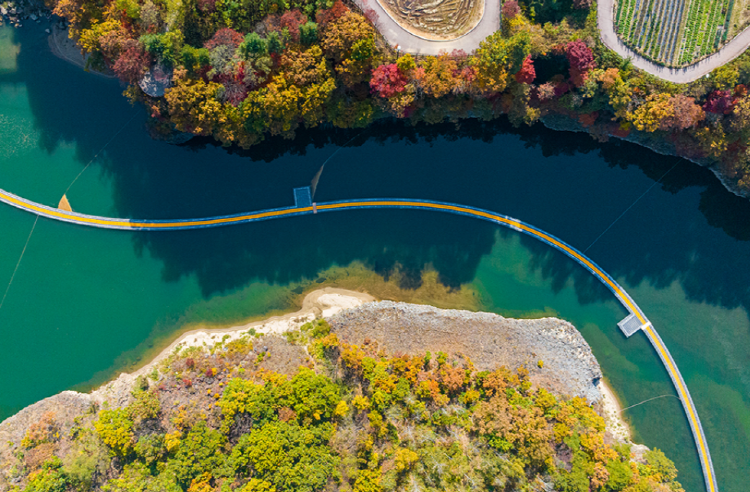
(674,32)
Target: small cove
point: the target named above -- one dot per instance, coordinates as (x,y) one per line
(85,303)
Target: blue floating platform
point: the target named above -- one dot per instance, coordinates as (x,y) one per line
(302,197)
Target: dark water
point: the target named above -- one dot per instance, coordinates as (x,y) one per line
(85,303)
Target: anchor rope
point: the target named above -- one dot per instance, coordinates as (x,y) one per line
(632,205)
(101,150)
(646,401)
(18,262)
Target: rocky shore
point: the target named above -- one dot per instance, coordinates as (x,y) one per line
(655,143)
(19,11)
(554,352)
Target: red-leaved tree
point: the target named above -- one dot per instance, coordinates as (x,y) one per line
(133,63)
(387,80)
(207,6)
(581,60)
(510,9)
(326,16)
(719,102)
(224,37)
(527,74)
(291,20)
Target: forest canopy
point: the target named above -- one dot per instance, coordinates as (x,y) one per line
(350,418)
(238,71)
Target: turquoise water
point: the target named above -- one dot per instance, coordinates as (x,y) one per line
(86,303)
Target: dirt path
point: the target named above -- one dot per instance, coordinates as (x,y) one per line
(412,43)
(730,51)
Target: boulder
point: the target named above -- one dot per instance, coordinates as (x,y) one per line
(156,81)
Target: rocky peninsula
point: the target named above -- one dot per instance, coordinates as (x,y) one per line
(194,378)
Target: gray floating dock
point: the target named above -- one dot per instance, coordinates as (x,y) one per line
(630,325)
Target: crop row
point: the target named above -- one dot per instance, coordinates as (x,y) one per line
(704,28)
(652,27)
(640,23)
(625,11)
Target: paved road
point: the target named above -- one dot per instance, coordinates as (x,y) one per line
(730,51)
(410,43)
(515,224)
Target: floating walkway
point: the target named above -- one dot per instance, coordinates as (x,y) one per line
(635,321)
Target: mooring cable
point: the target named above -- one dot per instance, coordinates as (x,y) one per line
(19,262)
(633,204)
(101,150)
(316,178)
(646,401)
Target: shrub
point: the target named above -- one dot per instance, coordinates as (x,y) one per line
(115,429)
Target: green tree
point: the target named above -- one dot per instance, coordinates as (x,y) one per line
(620,475)
(198,453)
(308,33)
(499,57)
(253,46)
(287,455)
(661,465)
(137,477)
(51,478)
(275,43)
(313,397)
(194,58)
(115,429)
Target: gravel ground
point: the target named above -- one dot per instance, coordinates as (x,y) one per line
(489,340)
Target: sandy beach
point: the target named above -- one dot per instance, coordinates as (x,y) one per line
(319,303)
(612,413)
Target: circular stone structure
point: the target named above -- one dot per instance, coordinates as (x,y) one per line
(439,20)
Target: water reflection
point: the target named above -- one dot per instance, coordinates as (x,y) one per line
(156,180)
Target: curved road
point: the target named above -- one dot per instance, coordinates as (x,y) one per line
(730,51)
(416,45)
(504,220)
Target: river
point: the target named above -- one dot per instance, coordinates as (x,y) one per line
(85,303)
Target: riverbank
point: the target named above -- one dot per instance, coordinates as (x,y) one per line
(66,49)
(319,303)
(656,143)
(611,410)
